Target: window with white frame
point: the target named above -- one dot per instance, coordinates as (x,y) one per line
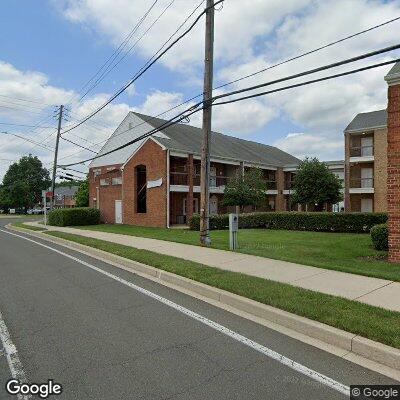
(104,182)
(117,180)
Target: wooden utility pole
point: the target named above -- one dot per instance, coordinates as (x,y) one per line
(53,181)
(207,114)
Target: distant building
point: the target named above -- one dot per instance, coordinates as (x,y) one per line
(65,196)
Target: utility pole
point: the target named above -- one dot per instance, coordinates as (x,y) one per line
(205,239)
(53,181)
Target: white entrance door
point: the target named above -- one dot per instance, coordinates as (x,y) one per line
(118,211)
(367,177)
(367,205)
(214,205)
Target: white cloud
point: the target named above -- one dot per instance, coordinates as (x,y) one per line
(236,26)
(304,145)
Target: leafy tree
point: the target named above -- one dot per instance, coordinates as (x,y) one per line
(315,184)
(246,190)
(23,183)
(82,195)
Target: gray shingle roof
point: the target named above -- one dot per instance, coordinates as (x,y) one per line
(188,139)
(368,120)
(394,71)
(66,190)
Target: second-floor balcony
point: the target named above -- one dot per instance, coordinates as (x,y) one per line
(182,178)
(361,182)
(361,151)
(289,185)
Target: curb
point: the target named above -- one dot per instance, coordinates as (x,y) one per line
(351,343)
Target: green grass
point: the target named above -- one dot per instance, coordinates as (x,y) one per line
(32,228)
(361,319)
(346,252)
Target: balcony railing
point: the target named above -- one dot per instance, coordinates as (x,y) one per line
(289,185)
(181,178)
(178,178)
(362,183)
(271,185)
(361,151)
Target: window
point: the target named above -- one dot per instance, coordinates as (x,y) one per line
(141,189)
(96,172)
(117,180)
(104,182)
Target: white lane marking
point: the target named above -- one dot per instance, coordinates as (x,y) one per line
(323,379)
(14,363)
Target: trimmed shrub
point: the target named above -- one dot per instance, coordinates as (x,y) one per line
(299,221)
(74,216)
(380,236)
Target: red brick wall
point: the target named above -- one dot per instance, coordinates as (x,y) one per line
(155,159)
(393,169)
(107,194)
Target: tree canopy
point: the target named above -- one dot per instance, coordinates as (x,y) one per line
(82,195)
(315,184)
(246,190)
(23,183)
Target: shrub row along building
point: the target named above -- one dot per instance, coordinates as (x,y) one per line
(156,181)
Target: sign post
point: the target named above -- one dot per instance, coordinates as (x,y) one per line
(233,231)
(45,207)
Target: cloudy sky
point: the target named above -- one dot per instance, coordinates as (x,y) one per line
(52,52)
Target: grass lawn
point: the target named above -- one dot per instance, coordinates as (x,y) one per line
(345,252)
(361,319)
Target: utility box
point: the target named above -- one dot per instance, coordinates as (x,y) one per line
(233,231)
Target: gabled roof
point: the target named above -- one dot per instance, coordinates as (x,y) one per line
(394,72)
(188,139)
(368,120)
(66,190)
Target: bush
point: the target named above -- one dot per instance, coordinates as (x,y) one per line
(379,236)
(74,216)
(299,221)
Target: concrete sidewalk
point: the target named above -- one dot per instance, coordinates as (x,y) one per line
(377,292)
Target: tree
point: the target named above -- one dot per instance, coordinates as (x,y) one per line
(246,190)
(315,184)
(23,183)
(82,195)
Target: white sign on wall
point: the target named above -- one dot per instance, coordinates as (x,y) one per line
(153,184)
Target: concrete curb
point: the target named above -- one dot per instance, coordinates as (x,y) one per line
(351,343)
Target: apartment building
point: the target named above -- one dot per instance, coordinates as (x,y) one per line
(156,181)
(65,196)
(366,162)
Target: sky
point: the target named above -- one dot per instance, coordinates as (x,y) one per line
(53,51)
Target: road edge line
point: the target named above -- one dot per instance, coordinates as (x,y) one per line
(382,358)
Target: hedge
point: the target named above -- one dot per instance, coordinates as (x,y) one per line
(380,236)
(74,216)
(299,221)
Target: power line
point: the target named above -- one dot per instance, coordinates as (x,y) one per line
(27,126)
(116,53)
(26,139)
(137,76)
(312,71)
(309,82)
(309,52)
(195,108)
(78,145)
(266,69)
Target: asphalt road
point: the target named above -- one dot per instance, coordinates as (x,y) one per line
(101,339)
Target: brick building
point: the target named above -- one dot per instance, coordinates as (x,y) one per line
(65,196)
(156,181)
(366,160)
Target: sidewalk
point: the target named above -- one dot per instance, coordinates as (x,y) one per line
(377,292)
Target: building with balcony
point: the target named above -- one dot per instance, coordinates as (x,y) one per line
(156,181)
(366,162)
